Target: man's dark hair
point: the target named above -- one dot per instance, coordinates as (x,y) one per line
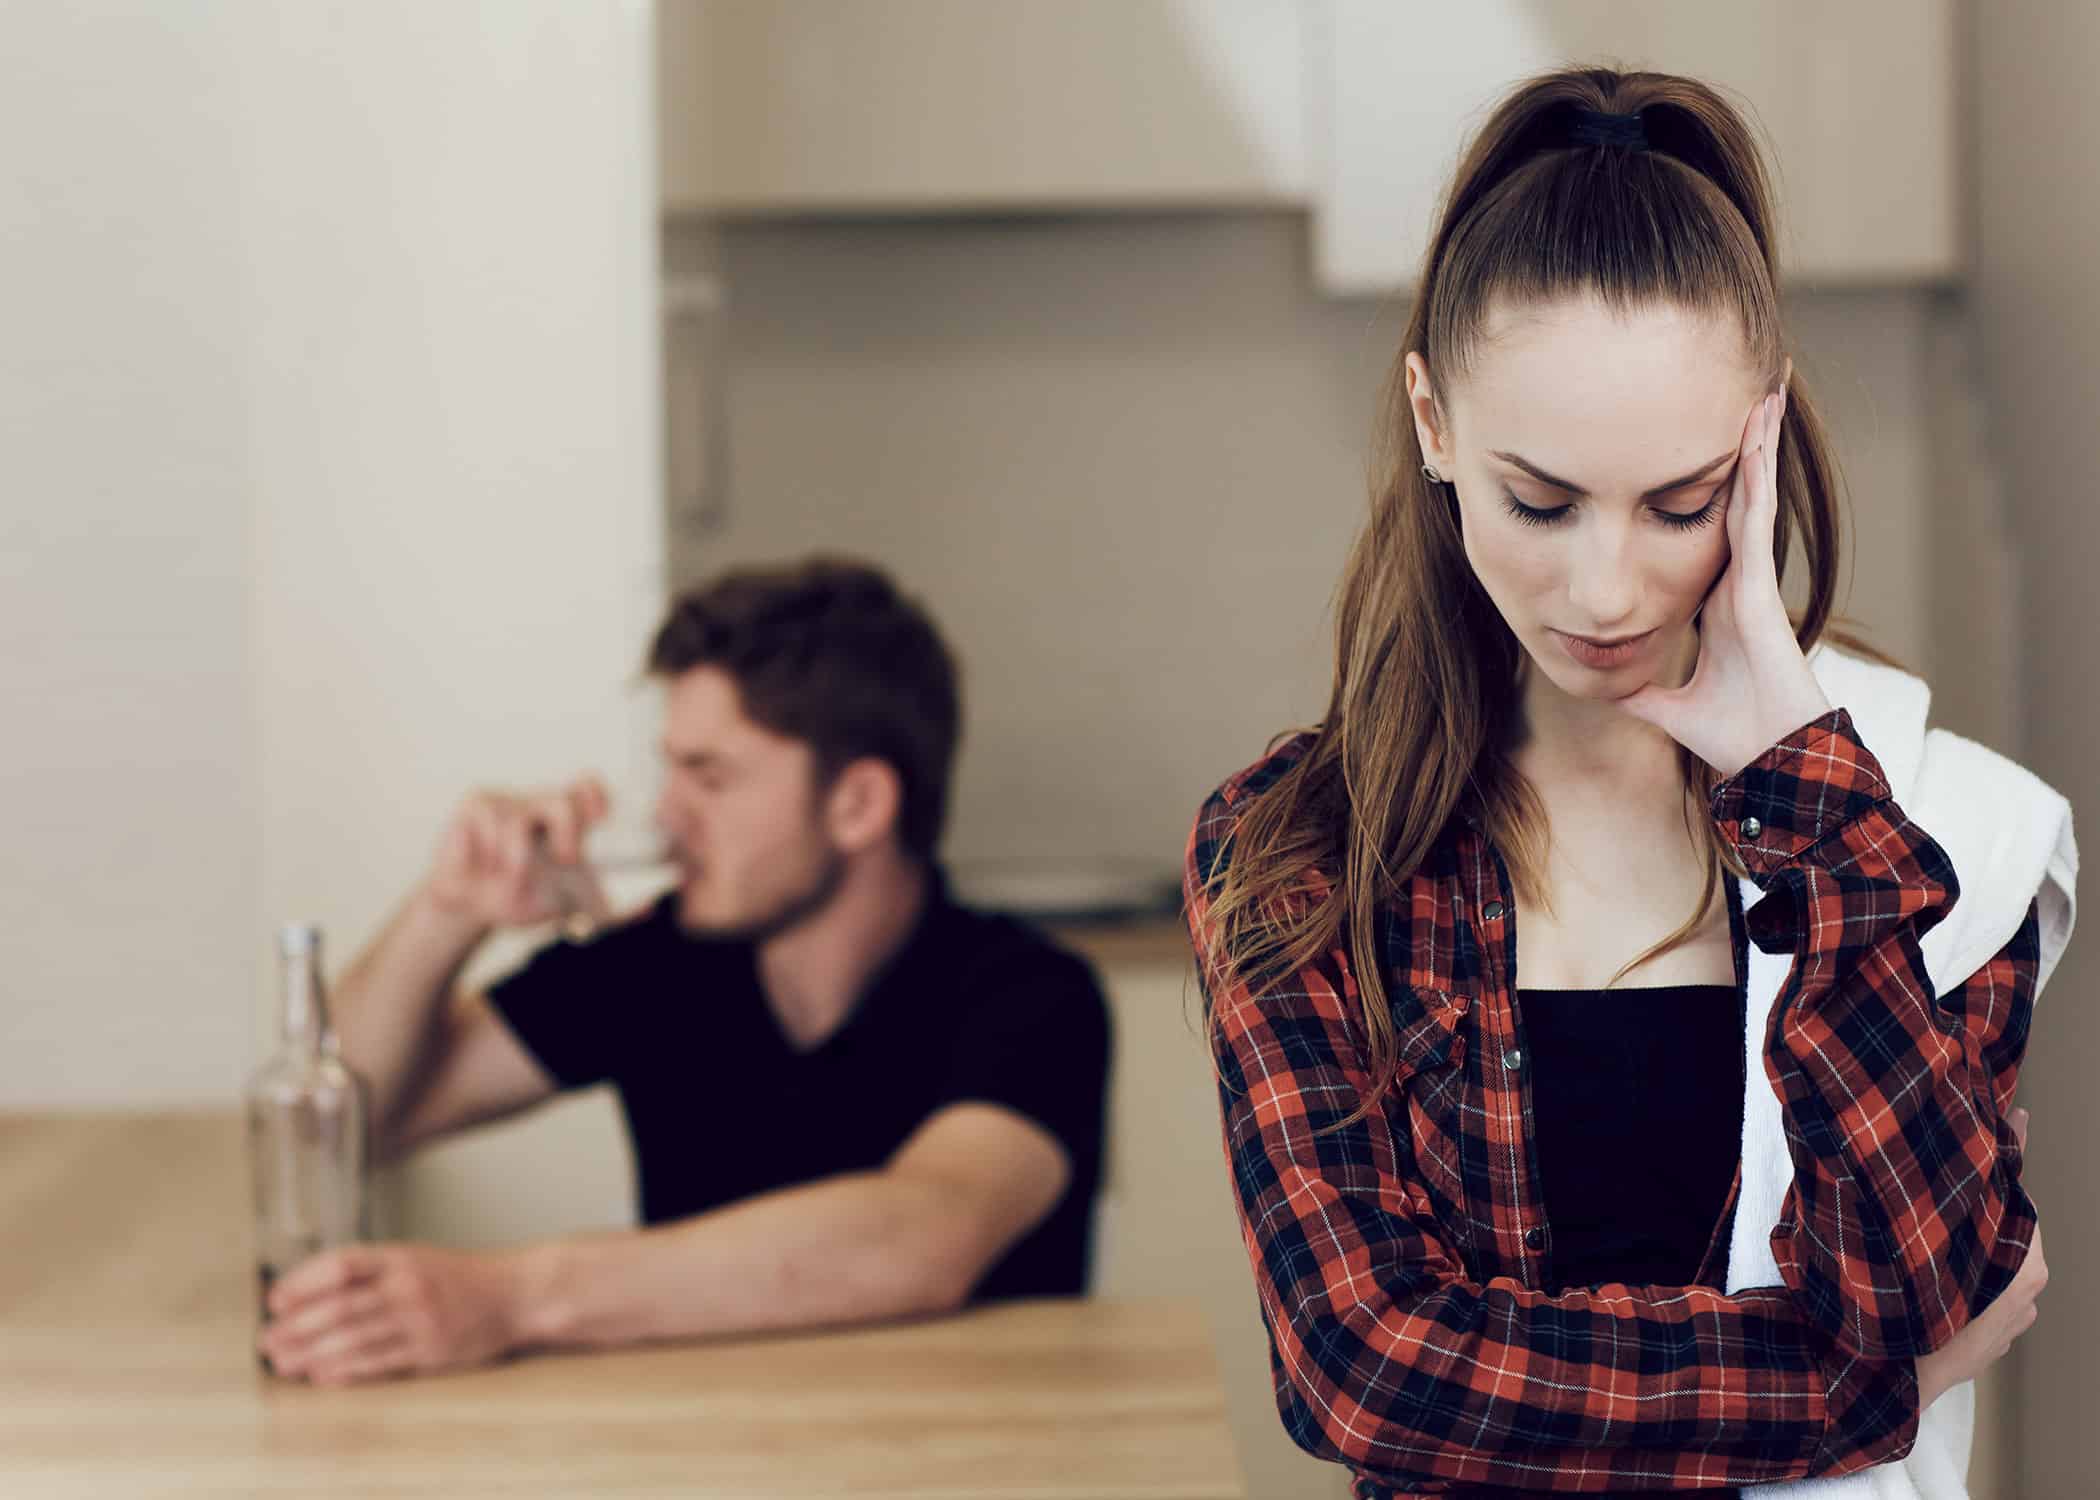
(827,651)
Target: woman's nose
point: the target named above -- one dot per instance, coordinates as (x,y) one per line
(1602,585)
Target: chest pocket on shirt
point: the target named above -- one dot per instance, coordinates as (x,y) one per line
(1429,1079)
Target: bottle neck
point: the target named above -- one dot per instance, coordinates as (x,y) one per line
(305,1015)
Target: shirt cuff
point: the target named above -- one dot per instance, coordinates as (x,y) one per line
(1797,793)
(1873,1416)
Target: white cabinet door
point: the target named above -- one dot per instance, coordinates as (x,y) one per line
(1857,101)
(844,106)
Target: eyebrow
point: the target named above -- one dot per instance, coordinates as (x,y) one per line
(1577,490)
(699,760)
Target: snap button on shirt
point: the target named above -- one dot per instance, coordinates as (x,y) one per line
(1752,828)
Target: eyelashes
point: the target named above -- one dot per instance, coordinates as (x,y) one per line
(1529,516)
(1706,515)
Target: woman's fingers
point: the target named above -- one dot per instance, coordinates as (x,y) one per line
(2034,1270)
(1718,612)
(1739,490)
(1742,520)
(1761,524)
(1658,706)
(1773,437)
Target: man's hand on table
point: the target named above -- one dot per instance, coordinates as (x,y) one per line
(367,1312)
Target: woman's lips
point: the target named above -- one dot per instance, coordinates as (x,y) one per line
(1590,654)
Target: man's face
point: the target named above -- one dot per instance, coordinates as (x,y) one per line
(743,812)
(1644,414)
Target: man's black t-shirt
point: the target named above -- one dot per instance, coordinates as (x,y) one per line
(720,1104)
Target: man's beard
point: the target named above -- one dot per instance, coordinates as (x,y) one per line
(789,912)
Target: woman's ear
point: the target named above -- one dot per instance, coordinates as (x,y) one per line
(865,804)
(1421,403)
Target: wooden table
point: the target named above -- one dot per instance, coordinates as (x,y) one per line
(126,1368)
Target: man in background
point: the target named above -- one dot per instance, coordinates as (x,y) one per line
(850,1098)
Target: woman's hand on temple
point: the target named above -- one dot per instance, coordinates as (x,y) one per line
(1752,686)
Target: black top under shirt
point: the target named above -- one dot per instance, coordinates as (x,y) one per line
(721,1105)
(1638,1099)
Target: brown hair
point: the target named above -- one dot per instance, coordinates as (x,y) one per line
(1425,678)
(827,651)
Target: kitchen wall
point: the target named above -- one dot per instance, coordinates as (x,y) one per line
(332,487)
(449,308)
(2036,221)
(127,763)
(1123,458)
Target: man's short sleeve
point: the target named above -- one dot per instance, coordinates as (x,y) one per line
(1036,1039)
(552,1007)
(573,1005)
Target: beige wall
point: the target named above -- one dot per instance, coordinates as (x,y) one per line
(331,488)
(450,314)
(2037,304)
(126,763)
(1123,459)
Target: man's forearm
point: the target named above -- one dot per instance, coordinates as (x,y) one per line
(389,1000)
(850,1249)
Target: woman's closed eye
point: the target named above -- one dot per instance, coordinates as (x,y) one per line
(1705,515)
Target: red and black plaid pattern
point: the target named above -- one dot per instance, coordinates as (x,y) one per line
(1404,1263)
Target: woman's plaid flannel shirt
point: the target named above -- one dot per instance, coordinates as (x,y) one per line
(1402,1262)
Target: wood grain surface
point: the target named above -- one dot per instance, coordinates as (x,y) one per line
(126,1368)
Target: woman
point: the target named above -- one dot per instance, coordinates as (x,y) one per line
(1486,1221)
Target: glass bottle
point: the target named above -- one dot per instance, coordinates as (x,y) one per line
(306,1126)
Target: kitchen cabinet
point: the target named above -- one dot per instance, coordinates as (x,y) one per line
(1352,109)
(777,107)
(1857,100)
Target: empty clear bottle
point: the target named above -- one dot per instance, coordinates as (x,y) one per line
(306,1126)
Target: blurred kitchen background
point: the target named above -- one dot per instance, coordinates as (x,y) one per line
(372,372)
